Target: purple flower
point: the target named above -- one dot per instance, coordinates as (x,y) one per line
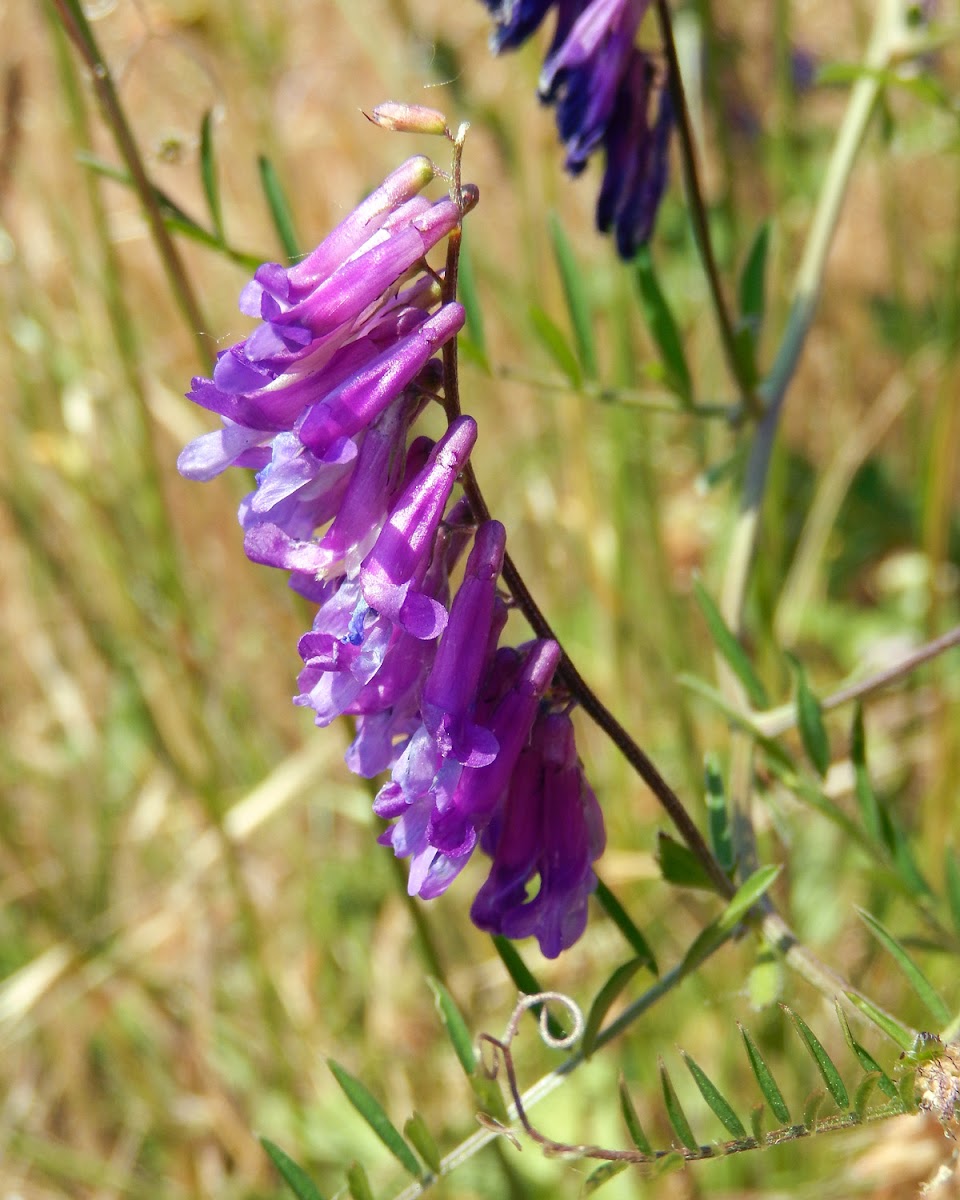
(600,84)
(550,831)
(440,804)
(321,400)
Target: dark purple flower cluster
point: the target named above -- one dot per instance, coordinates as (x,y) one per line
(602,87)
(320,400)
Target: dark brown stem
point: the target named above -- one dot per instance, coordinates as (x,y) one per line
(567,673)
(77,29)
(698,216)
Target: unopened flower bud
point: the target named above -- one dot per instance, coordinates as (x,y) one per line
(408,118)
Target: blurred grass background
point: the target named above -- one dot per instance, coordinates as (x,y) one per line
(194,912)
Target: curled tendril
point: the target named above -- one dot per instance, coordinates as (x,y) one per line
(542,999)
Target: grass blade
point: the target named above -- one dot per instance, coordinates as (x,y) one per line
(721,1108)
(554,341)
(420,1137)
(632,1121)
(825,1065)
(675,1113)
(208,174)
(898,1033)
(729,647)
(455,1026)
(811,1109)
(600,1176)
(864,1057)
(358,1184)
(753,281)
(372,1112)
(292,1174)
(915,977)
(624,922)
(764,1077)
(604,999)
(813,732)
(279,208)
(866,796)
(952,881)
(663,328)
(467,295)
(864,1091)
(721,837)
(575,294)
(680,866)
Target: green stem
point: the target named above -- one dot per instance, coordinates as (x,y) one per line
(806,293)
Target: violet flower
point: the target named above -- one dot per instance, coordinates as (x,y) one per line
(321,401)
(601,86)
(551,830)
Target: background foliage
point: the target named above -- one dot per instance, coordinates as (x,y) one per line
(194,912)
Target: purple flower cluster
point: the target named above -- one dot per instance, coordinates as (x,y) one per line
(320,400)
(602,87)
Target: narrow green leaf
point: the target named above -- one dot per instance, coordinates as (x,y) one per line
(753,280)
(679,865)
(667,1164)
(675,1113)
(372,1112)
(604,999)
(600,1176)
(813,732)
(747,894)
(745,353)
(893,1029)
(721,1108)
(764,1077)
(624,922)
(907,1091)
(825,1065)
(279,208)
(455,1026)
(719,930)
(952,881)
(765,982)
(718,822)
(756,1122)
(575,294)
(866,797)
(663,328)
(811,1109)
(632,1121)
(554,341)
(864,1057)
(293,1175)
(420,1137)
(864,1091)
(208,174)
(915,977)
(726,643)
(525,980)
(358,1184)
(467,295)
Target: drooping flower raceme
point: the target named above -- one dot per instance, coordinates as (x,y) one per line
(602,87)
(321,401)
